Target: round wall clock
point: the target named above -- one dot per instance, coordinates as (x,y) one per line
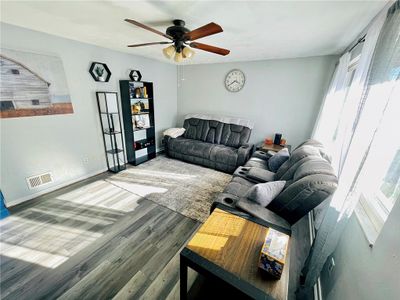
(234,80)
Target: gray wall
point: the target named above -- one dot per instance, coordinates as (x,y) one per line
(279,95)
(71,146)
(362,272)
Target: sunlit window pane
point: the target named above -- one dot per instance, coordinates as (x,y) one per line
(390,186)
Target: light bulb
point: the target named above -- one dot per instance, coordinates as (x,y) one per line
(169,51)
(178,57)
(187,52)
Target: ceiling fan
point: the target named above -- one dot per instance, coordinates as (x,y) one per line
(182,39)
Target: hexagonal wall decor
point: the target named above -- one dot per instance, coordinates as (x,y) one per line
(135,75)
(100,71)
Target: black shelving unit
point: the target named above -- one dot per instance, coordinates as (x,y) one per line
(137,104)
(110,120)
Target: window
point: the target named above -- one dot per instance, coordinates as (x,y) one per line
(366,125)
(35,102)
(390,185)
(378,186)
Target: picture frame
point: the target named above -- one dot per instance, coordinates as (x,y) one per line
(100,72)
(141,121)
(135,75)
(32,85)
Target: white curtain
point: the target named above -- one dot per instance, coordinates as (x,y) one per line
(329,114)
(373,91)
(346,128)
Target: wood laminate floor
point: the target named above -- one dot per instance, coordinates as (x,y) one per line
(92,241)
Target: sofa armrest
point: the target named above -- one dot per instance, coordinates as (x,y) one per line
(165,142)
(271,218)
(262,155)
(244,153)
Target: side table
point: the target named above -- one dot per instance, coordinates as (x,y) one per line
(228,247)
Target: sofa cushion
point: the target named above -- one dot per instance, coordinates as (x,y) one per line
(272,219)
(297,155)
(194,128)
(224,154)
(212,131)
(310,142)
(303,195)
(199,149)
(313,166)
(264,193)
(179,144)
(235,135)
(278,159)
(216,132)
(319,146)
(289,174)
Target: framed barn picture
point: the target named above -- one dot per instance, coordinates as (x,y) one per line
(32,85)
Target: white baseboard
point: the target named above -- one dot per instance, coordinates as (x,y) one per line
(52,188)
(56,187)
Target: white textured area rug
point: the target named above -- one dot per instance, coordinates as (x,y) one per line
(185,188)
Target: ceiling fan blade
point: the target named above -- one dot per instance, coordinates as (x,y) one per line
(149,44)
(209,48)
(203,31)
(148,28)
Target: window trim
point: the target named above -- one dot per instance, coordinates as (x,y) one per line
(370,232)
(372,214)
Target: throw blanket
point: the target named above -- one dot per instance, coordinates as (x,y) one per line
(223,119)
(174,132)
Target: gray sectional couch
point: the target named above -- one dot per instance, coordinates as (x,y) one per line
(310,180)
(211,143)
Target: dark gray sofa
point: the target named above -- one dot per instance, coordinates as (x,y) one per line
(310,180)
(214,144)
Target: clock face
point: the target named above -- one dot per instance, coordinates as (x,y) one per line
(234,81)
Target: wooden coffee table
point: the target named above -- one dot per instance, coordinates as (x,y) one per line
(228,247)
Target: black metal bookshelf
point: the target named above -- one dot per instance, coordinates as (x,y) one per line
(113,139)
(138,115)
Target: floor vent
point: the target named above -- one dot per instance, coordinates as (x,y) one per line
(39,180)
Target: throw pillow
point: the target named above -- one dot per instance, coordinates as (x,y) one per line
(174,132)
(264,193)
(278,159)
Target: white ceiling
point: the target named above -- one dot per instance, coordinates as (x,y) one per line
(253,30)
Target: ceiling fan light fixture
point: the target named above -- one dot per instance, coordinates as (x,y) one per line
(187,52)
(182,39)
(178,57)
(169,51)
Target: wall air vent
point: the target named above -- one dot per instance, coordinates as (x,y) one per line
(39,180)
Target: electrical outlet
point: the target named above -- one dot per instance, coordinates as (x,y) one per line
(331,265)
(85,160)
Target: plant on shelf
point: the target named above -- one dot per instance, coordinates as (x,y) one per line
(99,71)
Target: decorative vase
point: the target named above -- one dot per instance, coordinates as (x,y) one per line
(138,93)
